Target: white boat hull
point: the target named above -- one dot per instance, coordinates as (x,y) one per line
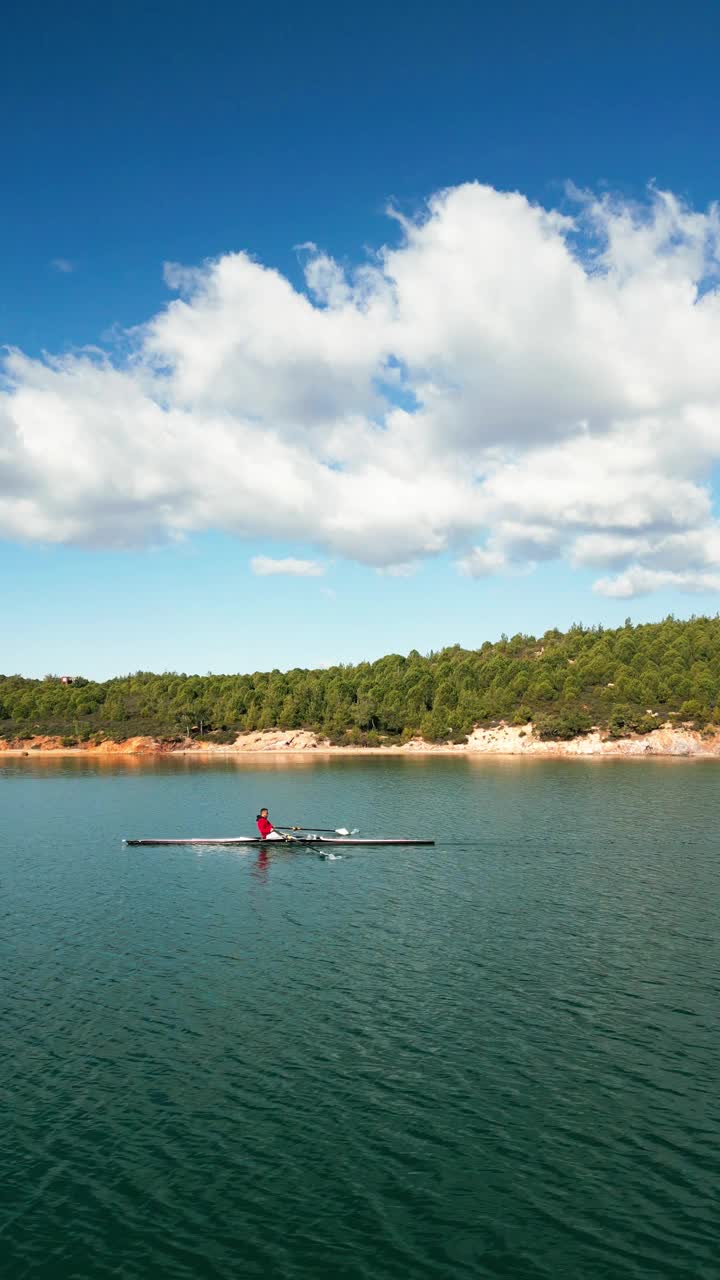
(256,840)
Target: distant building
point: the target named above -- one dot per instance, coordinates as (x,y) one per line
(67,679)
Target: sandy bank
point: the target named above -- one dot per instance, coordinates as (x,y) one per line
(505,740)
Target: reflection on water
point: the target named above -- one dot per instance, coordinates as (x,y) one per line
(162,762)
(271,762)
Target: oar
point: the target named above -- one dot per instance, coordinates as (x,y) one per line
(325,831)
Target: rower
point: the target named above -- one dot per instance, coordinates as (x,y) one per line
(265,826)
(267,830)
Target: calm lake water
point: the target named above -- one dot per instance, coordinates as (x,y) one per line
(499,1057)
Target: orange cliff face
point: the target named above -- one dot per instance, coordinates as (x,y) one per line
(131,746)
(43,744)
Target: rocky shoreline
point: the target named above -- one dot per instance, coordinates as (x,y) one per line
(505,740)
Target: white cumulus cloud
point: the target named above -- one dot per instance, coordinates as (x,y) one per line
(637,581)
(482,562)
(406,569)
(506,382)
(265,567)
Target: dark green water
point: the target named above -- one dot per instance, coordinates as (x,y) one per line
(498,1057)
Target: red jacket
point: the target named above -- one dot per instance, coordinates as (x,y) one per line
(264,827)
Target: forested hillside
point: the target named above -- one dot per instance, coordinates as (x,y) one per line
(629,679)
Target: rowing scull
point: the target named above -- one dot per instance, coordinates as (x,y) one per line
(256,840)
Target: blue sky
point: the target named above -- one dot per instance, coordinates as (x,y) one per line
(140,135)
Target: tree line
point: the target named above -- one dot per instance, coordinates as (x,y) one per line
(627,679)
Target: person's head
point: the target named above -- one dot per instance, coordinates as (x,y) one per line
(263,813)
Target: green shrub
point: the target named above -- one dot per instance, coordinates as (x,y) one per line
(563,727)
(694,710)
(623,721)
(646,723)
(222,736)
